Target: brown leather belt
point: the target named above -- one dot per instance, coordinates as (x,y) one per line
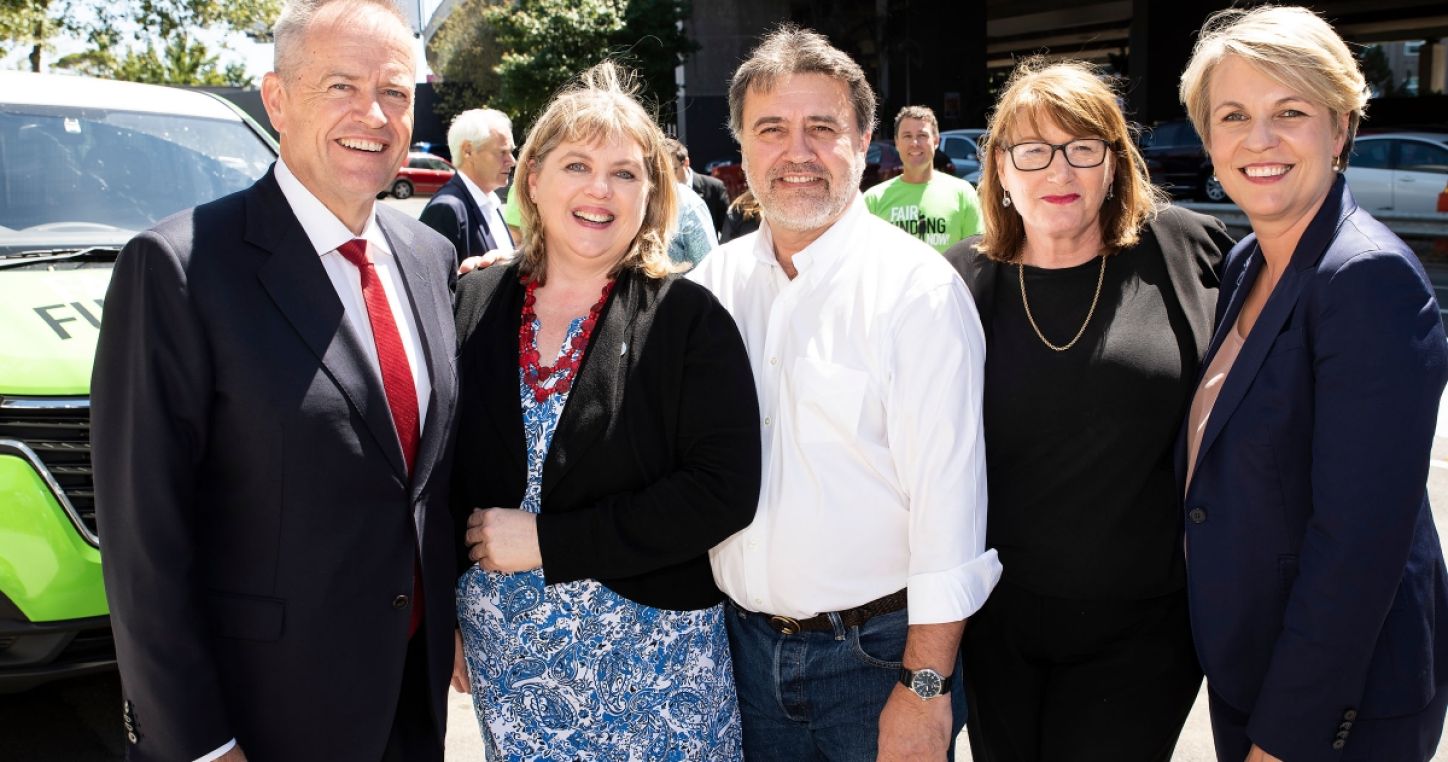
(849,617)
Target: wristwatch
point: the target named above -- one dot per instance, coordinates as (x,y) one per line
(925,683)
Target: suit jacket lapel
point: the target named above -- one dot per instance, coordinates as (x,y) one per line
(1315,240)
(492,368)
(299,286)
(598,390)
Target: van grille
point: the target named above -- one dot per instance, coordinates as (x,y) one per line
(53,433)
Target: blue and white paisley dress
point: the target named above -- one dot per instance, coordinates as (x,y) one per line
(575,671)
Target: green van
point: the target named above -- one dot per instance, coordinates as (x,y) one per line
(84,165)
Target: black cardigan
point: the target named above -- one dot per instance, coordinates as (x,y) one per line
(656,457)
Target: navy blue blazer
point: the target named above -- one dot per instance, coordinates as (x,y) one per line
(1314,569)
(453,212)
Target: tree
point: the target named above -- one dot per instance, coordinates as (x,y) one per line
(144,40)
(515,56)
(33,24)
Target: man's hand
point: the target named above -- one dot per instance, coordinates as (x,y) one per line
(460,679)
(1257,755)
(487,260)
(913,729)
(235,755)
(504,539)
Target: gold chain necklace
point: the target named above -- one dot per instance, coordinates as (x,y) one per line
(1100,278)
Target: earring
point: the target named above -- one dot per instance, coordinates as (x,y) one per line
(1110,192)
(1006,200)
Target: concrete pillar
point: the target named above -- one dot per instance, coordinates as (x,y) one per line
(1161,40)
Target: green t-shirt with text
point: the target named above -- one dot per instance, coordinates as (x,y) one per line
(939,212)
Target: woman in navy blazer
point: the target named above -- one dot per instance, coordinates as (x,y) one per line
(1315,573)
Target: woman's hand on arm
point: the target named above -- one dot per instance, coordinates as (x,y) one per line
(503,539)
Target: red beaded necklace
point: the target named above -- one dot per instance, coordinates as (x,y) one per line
(535,375)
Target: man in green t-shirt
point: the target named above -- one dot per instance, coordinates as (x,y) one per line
(938,208)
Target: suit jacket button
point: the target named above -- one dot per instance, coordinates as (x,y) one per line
(1347,725)
(131,737)
(1197,515)
(1350,715)
(1342,735)
(1338,744)
(400,602)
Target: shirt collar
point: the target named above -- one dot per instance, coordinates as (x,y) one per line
(323,229)
(823,251)
(485,199)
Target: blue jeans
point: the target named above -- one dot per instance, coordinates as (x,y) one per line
(818,695)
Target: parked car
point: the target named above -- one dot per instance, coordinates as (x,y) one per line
(85,164)
(439,150)
(423,173)
(1178,162)
(962,146)
(1399,171)
(882,162)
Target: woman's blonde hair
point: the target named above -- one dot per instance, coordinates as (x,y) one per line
(1289,44)
(601,106)
(1073,96)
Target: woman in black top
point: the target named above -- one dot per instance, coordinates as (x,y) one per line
(1097,301)
(594,483)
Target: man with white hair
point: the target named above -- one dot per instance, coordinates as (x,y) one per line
(466,210)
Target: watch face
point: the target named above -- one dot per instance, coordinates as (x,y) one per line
(925,684)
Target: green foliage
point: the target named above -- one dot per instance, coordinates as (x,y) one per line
(141,40)
(514,56)
(181,61)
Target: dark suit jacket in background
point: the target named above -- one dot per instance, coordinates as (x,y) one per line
(257,514)
(656,457)
(715,196)
(454,212)
(1315,574)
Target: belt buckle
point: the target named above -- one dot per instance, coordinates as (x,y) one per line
(785,625)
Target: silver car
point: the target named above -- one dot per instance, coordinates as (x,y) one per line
(1399,171)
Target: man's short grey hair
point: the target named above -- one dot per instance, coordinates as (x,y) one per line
(791,50)
(475,126)
(297,16)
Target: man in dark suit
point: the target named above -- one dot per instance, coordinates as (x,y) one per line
(711,189)
(466,210)
(273,407)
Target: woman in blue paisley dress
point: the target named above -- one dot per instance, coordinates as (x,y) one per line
(608,438)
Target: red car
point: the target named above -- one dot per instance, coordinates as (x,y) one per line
(423,173)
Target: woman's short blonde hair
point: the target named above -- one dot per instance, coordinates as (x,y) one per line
(1073,96)
(601,106)
(1290,44)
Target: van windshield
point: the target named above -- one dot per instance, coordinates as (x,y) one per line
(76,177)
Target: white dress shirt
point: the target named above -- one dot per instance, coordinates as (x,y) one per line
(326,233)
(869,368)
(492,210)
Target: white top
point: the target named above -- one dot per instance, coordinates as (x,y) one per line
(492,210)
(326,233)
(869,368)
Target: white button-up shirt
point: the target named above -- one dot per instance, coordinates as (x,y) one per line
(326,233)
(869,368)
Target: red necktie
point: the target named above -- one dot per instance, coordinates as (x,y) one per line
(397,379)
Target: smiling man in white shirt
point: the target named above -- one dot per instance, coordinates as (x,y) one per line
(851,587)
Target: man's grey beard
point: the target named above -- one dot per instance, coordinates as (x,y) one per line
(827,210)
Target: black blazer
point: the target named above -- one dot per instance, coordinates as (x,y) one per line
(453,212)
(1191,244)
(657,456)
(256,510)
(715,196)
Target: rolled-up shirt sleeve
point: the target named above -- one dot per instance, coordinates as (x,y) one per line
(937,362)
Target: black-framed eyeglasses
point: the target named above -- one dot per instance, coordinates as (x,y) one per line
(1082,153)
